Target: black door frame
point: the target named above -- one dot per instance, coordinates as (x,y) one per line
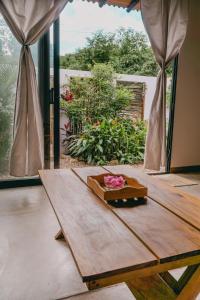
(56,65)
(171,116)
(44,91)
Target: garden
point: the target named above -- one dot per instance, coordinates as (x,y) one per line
(98,131)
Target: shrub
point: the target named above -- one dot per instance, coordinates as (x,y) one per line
(113,139)
(97,97)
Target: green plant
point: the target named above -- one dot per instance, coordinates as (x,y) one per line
(9,53)
(113,139)
(97,97)
(7,81)
(127,50)
(168,95)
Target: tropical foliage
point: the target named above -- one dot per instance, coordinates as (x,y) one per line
(114,139)
(97,97)
(128,51)
(9,50)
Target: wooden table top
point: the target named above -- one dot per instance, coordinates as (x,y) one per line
(105,240)
(120,291)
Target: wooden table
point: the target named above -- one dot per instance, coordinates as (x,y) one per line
(134,245)
(115,292)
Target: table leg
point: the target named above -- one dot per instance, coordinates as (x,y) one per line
(191,288)
(188,286)
(59,235)
(157,287)
(151,288)
(160,285)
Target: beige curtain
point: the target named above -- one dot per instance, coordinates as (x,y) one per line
(166,24)
(28,20)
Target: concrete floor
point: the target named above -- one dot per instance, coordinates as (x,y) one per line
(34,266)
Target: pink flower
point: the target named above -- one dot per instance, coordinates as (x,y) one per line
(114,182)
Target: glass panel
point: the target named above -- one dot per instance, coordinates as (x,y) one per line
(51,105)
(91,40)
(9,57)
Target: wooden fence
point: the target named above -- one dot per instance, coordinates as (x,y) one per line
(136,108)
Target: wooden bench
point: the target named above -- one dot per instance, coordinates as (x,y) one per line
(115,292)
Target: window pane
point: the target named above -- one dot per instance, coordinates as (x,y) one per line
(9,57)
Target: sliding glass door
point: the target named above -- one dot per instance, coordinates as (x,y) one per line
(9,57)
(49,90)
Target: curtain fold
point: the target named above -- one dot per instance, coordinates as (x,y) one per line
(166,24)
(28,20)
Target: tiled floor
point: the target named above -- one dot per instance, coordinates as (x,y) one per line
(34,266)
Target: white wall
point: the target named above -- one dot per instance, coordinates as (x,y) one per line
(150,83)
(186,135)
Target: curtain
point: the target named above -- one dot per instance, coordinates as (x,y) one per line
(166,25)
(28,21)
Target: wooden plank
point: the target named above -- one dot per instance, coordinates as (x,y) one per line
(151,288)
(168,237)
(176,180)
(179,202)
(192,288)
(171,281)
(140,273)
(100,243)
(83,173)
(120,291)
(186,276)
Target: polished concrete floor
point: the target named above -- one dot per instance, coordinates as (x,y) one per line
(33,265)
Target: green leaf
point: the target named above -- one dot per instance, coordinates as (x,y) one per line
(99,148)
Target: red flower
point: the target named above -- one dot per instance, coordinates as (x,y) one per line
(67,125)
(67,96)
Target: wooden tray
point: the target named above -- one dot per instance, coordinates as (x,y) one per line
(133,192)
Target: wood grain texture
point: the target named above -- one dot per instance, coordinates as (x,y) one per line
(179,202)
(141,273)
(176,180)
(120,291)
(100,243)
(192,288)
(168,236)
(151,288)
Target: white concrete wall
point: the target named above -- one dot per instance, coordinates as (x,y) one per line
(150,83)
